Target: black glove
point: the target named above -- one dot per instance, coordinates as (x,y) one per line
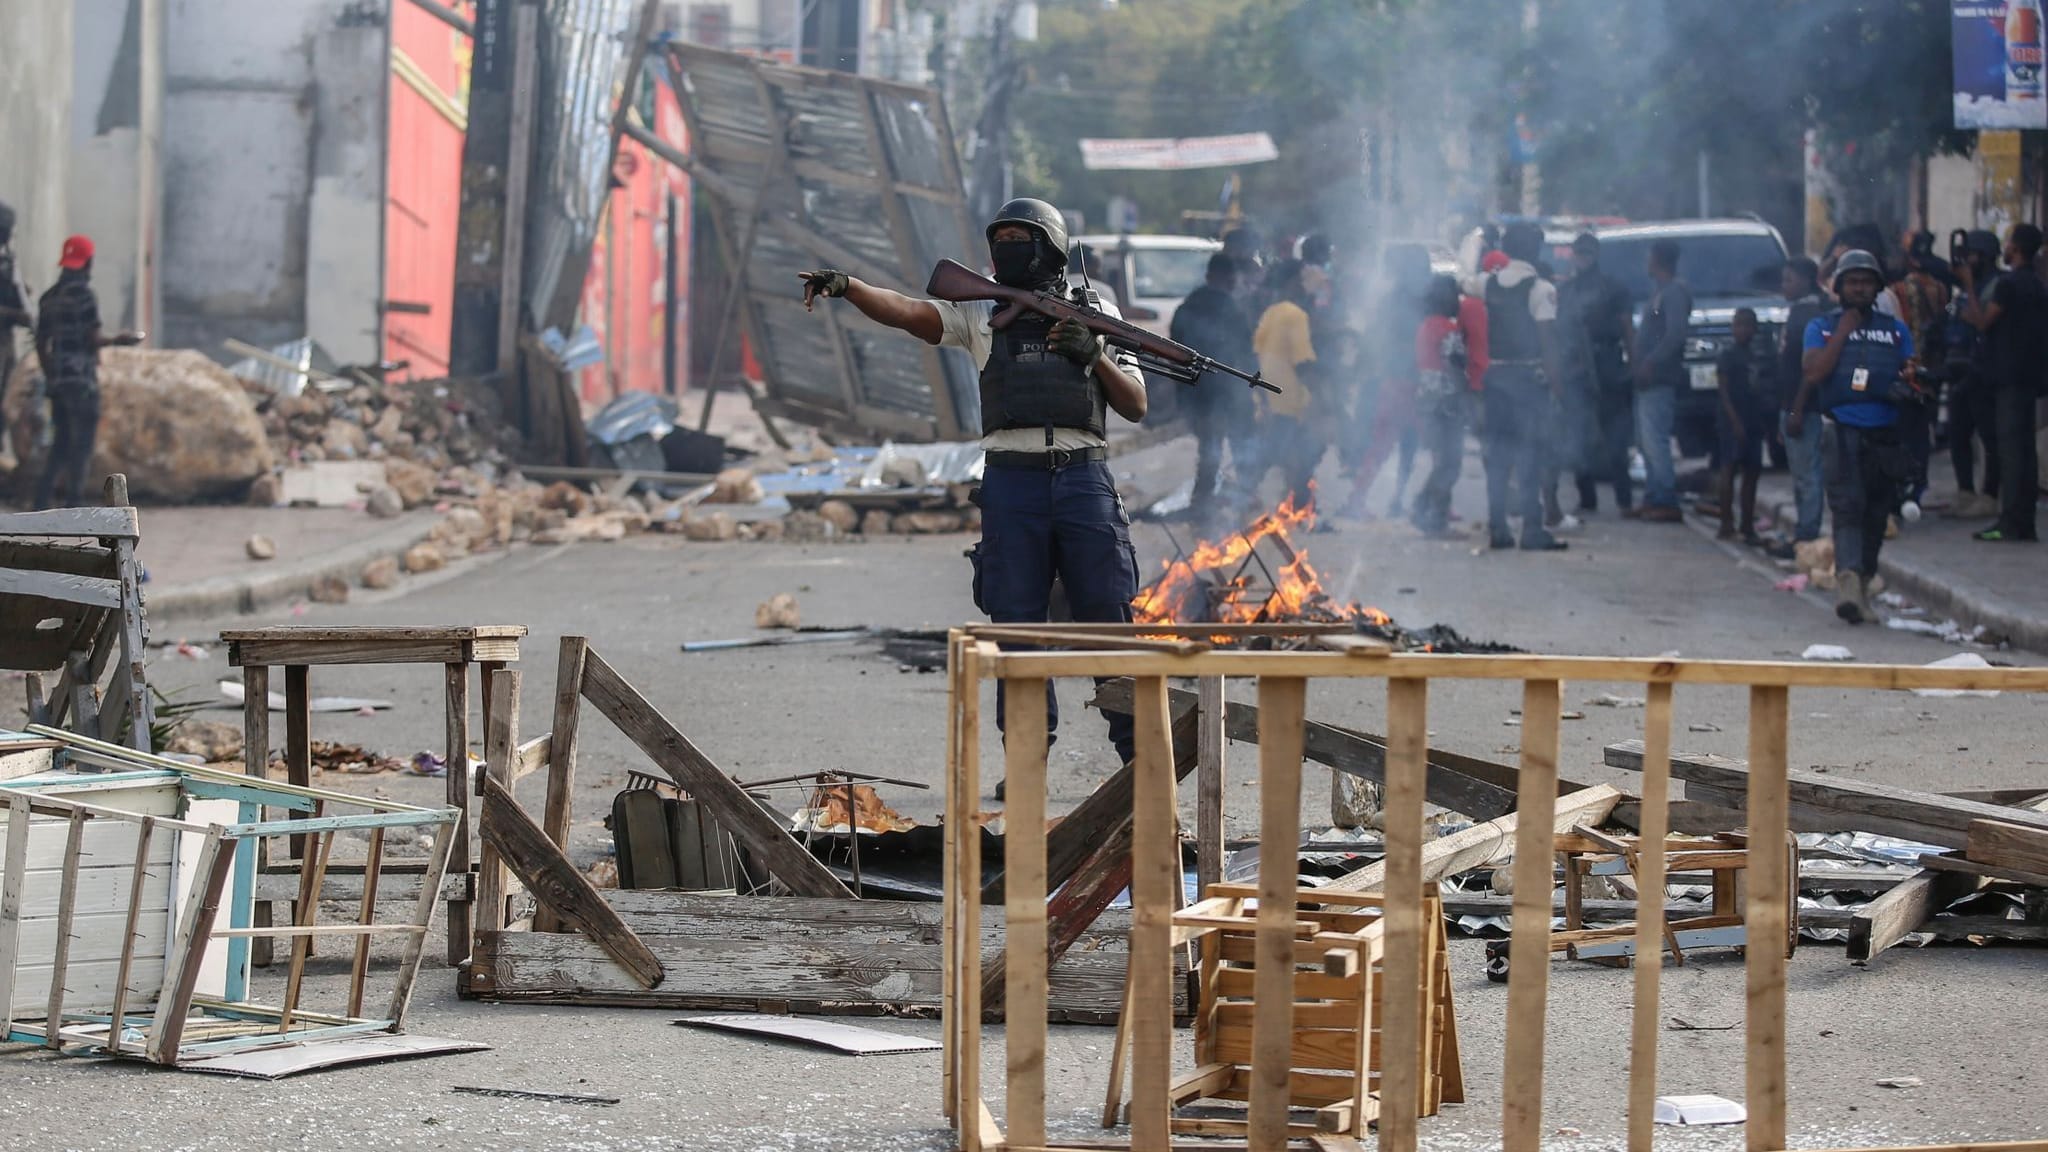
(824,282)
(1074,341)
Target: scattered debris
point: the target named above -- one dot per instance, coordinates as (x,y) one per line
(1610,700)
(1681,1024)
(848,1038)
(384,502)
(1794,583)
(1693,1111)
(1702,726)
(1901,1082)
(522,1094)
(210,740)
(1826,652)
(349,759)
(1959,660)
(260,547)
(798,636)
(428,764)
(328,590)
(424,558)
(778,611)
(380,573)
(231,692)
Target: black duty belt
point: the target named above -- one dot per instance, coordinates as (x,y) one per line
(1045,461)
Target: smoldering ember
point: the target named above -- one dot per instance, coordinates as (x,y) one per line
(1023,575)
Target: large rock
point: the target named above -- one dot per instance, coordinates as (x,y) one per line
(176,423)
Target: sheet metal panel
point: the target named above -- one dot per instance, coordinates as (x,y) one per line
(841,171)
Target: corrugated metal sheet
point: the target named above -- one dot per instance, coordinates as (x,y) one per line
(582,57)
(830,169)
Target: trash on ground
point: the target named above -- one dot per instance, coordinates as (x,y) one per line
(1959,660)
(231,692)
(848,1038)
(1793,583)
(1826,652)
(1681,1024)
(1901,1082)
(522,1094)
(778,611)
(1610,700)
(1697,1110)
(1702,726)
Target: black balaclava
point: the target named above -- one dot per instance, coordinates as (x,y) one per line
(1026,263)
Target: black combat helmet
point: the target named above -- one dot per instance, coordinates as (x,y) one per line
(1042,219)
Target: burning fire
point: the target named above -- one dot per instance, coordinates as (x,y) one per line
(1230,582)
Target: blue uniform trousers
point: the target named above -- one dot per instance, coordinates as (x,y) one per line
(1069,523)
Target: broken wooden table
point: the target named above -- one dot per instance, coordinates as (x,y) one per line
(298,650)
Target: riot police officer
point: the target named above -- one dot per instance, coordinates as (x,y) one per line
(1857,368)
(1050,507)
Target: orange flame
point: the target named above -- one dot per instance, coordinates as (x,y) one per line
(1215,583)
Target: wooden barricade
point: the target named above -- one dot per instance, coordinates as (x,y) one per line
(1282,680)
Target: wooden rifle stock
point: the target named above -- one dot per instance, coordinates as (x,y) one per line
(959,284)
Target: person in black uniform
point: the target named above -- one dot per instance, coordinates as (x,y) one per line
(68,343)
(1050,508)
(13,313)
(1211,322)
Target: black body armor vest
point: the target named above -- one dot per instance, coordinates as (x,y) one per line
(1510,330)
(1027,385)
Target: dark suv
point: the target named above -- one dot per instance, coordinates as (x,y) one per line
(1728,264)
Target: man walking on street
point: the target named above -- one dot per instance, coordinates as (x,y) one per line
(1800,282)
(1972,394)
(2013,316)
(1293,429)
(1050,508)
(1659,365)
(1211,322)
(1858,362)
(1520,399)
(68,343)
(1594,306)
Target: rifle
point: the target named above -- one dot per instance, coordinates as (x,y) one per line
(958,283)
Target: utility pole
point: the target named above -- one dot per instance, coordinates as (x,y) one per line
(989,184)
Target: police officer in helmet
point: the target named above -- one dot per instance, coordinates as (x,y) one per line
(1050,507)
(1857,368)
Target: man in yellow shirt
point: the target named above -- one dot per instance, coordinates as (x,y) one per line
(1290,433)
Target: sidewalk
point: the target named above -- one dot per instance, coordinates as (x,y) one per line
(1934,563)
(198,564)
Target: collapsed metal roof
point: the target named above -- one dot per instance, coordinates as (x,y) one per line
(810,168)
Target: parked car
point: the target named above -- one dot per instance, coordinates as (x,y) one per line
(1149,276)
(1728,264)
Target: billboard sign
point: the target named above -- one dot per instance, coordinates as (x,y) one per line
(1997,46)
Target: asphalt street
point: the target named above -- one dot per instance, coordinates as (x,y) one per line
(1952,1016)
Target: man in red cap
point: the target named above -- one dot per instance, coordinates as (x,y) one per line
(68,343)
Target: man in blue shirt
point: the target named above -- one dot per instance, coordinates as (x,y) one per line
(1858,364)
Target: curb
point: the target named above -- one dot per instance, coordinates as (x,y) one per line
(1942,594)
(241,595)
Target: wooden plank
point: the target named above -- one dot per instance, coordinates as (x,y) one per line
(307,912)
(11,882)
(1824,803)
(754,829)
(532,756)
(1357,753)
(966,890)
(2007,844)
(183,959)
(359,968)
(1282,706)
(501,733)
(60,957)
(455,694)
(1483,844)
(133,681)
(1427,665)
(1529,984)
(562,756)
(555,883)
(1989,871)
(1650,879)
(298,738)
(1155,876)
(1903,910)
(900,974)
(92,591)
(949,935)
(338,653)
(1405,869)
(1024,749)
(1210,753)
(423,913)
(140,873)
(256,765)
(1764,915)
(383,633)
(72,523)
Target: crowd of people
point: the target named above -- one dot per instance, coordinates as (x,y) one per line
(1560,375)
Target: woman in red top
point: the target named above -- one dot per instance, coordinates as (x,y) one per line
(1450,351)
